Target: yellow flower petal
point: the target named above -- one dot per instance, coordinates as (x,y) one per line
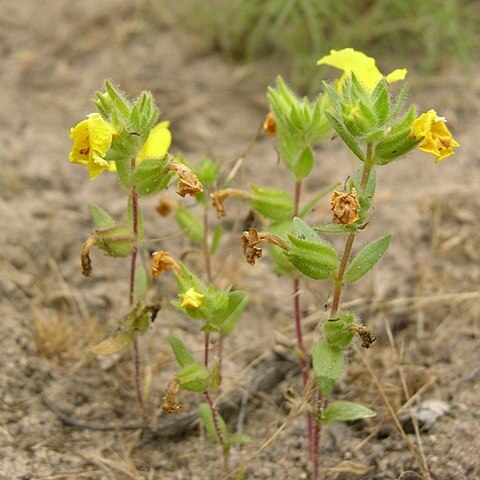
(158,142)
(437,139)
(363,66)
(191,299)
(92,138)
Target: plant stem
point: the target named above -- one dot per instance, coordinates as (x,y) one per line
(299,333)
(337,293)
(349,243)
(213,410)
(131,298)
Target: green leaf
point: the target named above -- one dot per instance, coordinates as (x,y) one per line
(190,224)
(366,258)
(381,101)
(327,365)
(194,377)
(304,164)
(313,201)
(151,176)
(181,352)
(345,412)
(346,136)
(272,202)
(302,230)
(101,219)
(113,344)
(141,282)
(334,228)
(315,259)
(216,237)
(205,413)
(237,301)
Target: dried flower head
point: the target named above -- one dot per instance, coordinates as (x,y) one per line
(219,197)
(165,206)
(252,238)
(170,403)
(249,244)
(163,262)
(436,137)
(188,182)
(85,256)
(269,125)
(345,207)
(364,333)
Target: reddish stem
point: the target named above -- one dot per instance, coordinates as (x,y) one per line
(131,298)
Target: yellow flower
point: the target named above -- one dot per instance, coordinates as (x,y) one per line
(437,139)
(191,299)
(364,68)
(92,139)
(157,144)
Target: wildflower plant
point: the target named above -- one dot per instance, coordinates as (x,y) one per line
(377,129)
(124,138)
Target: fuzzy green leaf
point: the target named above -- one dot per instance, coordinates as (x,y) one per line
(327,365)
(237,302)
(272,202)
(366,258)
(346,136)
(345,412)
(304,164)
(315,259)
(181,352)
(101,219)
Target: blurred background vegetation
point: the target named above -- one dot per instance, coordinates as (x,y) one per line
(427,34)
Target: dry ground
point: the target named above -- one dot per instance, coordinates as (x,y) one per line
(55,54)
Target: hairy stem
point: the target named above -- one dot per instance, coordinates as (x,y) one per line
(214,412)
(349,244)
(337,293)
(299,333)
(131,299)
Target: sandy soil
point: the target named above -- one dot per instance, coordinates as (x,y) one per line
(422,301)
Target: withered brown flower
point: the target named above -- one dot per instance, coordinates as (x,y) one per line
(188,182)
(252,238)
(269,125)
(345,207)
(170,403)
(364,333)
(249,244)
(219,197)
(162,261)
(85,256)
(165,205)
